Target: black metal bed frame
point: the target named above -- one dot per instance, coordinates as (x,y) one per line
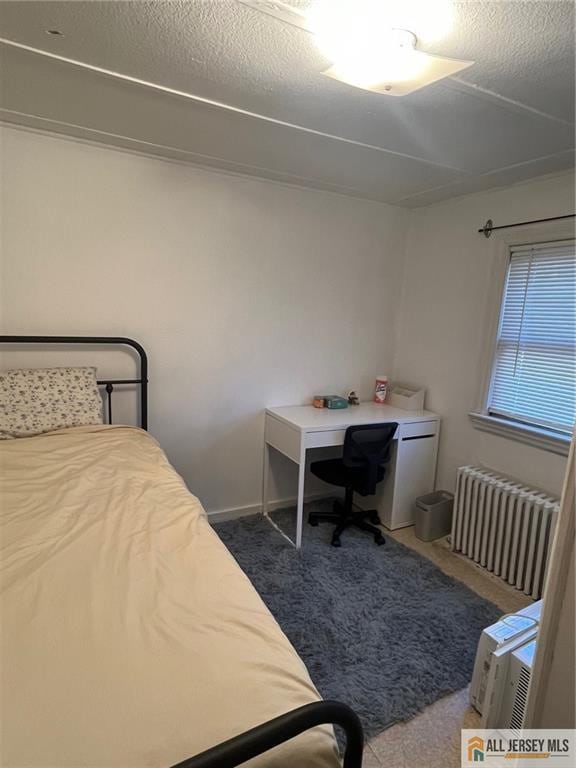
(263,737)
(108,384)
(256,741)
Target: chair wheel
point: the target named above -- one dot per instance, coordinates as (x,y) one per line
(373,517)
(380,540)
(312,521)
(336,543)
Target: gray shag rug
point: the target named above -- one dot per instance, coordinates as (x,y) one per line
(379,628)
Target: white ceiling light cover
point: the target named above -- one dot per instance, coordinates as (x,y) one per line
(423,69)
(372,43)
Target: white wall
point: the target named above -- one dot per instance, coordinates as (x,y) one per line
(552,696)
(558,708)
(245,293)
(442,324)
(248,293)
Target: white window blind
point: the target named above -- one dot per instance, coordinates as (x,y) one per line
(534,370)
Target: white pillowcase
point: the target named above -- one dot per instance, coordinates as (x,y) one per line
(39,400)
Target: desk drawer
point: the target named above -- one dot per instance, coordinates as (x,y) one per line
(330,437)
(283,437)
(325,439)
(418,429)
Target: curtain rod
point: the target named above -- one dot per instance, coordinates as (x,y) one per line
(489,227)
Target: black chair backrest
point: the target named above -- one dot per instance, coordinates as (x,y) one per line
(367,446)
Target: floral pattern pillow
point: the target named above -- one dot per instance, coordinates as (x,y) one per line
(39,400)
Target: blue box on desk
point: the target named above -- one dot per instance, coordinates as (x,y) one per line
(335,402)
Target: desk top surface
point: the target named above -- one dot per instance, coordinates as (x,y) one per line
(308,418)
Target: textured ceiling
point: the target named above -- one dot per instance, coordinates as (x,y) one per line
(242,91)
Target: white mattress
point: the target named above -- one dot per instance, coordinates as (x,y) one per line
(130,636)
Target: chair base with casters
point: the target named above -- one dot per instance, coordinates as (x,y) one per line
(345,516)
(362,466)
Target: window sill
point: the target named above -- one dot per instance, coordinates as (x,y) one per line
(522,433)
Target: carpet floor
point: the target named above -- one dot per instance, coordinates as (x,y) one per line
(380,628)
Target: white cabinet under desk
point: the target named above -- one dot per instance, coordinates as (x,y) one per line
(294,430)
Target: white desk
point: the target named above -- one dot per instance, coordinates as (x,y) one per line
(294,430)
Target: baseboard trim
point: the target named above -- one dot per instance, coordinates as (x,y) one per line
(233,513)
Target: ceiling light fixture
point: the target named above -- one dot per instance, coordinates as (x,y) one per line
(372,43)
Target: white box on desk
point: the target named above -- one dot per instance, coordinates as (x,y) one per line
(406,396)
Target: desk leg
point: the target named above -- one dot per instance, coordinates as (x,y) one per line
(265,478)
(300,502)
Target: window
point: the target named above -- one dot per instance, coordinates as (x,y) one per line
(534,370)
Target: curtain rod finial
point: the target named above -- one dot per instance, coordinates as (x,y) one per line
(487,228)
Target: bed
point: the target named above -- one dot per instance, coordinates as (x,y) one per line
(130,636)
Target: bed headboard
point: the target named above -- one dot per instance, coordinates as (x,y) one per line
(108,384)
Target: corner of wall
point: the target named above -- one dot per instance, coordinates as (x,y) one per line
(399,309)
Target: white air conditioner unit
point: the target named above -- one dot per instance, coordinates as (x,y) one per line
(515,690)
(508,682)
(510,629)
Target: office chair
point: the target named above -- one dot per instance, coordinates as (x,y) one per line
(361,468)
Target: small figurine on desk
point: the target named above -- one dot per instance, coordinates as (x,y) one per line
(353,398)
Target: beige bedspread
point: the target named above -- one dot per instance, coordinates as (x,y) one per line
(130,636)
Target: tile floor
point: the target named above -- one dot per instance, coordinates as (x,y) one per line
(432,738)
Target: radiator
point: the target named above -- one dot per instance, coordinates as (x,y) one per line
(504,526)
